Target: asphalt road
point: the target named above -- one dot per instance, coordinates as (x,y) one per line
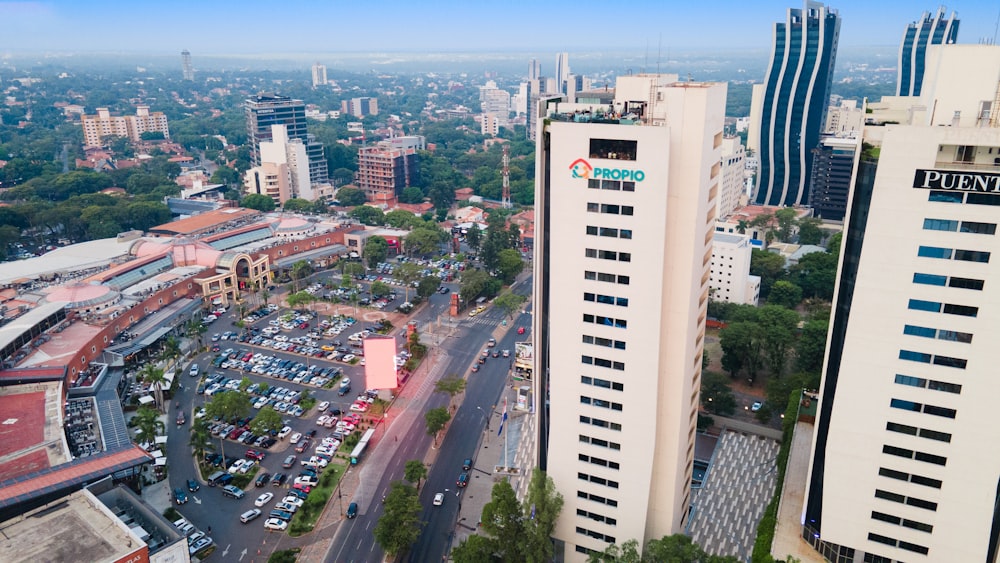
(354,542)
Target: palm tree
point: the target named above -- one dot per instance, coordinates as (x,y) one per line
(156,379)
(196,329)
(171,348)
(148,422)
(265,294)
(201,440)
(741,226)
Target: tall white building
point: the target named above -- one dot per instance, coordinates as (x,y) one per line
(624,220)
(283,172)
(732,188)
(494,100)
(97,128)
(904,465)
(730,279)
(318,75)
(561,72)
(519,101)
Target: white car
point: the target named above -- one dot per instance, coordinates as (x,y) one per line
(322,420)
(275,524)
(306,480)
(263,499)
(347,358)
(327,450)
(323,406)
(315,461)
(438,499)
(359,407)
(292,500)
(295,438)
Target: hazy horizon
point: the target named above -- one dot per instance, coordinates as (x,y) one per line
(302,28)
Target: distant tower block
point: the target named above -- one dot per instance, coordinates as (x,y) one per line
(186,65)
(505,196)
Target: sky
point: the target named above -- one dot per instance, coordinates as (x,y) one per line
(225,27)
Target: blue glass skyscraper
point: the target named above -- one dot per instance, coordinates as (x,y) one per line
(936,30)
(796,93)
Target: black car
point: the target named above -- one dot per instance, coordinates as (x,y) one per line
(215,459)
(467,464)
(281,515)
(297,493)
(335,412)
(352,510)
(262,479)
(268,443)
(193,485)
(311,433)
(279,479)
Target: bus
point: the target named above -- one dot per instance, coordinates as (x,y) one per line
(359,450)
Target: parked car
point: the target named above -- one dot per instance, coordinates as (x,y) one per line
(263,499)
(463,480)
(233,491)
(262,479)
(249,515)
(275,524)
(289,461)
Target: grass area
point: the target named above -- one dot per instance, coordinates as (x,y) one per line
(284,556)
(305,518)
(378,408)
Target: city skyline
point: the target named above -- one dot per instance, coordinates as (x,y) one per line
(205,29)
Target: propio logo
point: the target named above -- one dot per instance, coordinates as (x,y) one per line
(580,168)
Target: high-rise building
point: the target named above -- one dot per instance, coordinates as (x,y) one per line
(187,68)
(732,186)
(624,226)
(284,169)
(318,75)
(793,108)
(96,128)
(386,169)
(844,120)
(360,107)
(730,280)
(266,109)
(832,170)
(903,466)
(494,101)
(534,70)
(928,30)
(561,73)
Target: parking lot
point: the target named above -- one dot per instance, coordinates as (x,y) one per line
(283,358)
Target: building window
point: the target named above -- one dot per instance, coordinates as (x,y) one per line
(934,252)
(978,228)
(921,305)
(919,331)
(950,362)
(940,225)
(914,356)
(980,256)
(613,149)
(962,310)
(930,279)
(964,283)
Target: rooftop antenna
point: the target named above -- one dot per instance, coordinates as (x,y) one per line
(659,50)
(996,28)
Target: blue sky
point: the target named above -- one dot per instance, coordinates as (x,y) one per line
(323,26)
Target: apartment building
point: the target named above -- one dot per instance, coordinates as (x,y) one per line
(730,279)
(625,210)
(97,128)
(386,169)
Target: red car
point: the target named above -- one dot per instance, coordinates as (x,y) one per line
(255,455)
(520,330)
(301,487)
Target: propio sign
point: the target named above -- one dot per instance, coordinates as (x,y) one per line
(580,168)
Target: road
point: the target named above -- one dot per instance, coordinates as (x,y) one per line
(354,541)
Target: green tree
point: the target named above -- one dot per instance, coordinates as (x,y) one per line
(427,286)
(509,302)
(473,284)
(399,525)
(353,268)
(452,385)
(411,195)
(407,273)
(770,266)
(148,425)
(225,175)
(368,215)
(476,549)
(474,238)
(350,197)
(436,420)
(811,346)
(156,379)
(503,519)
(201,439)
(267,420)
(229,405)
(509,265)
(297,204)
(786,223)
(816,274)
(809,231)
(152,136)
(741,348)
(716,395)
(627,552)
(423,242)
(415,471)
(300,271)
(375,251)
(300,299)
(401,219)
(833,243)
(778,326)
(676,548)
(380,289)
(259,202)
(785,293)
(543,505)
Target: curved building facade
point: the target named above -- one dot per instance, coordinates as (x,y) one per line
(793,111)
(936,30)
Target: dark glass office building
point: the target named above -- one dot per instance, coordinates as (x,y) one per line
(929,30)
(796,95)
(264,110)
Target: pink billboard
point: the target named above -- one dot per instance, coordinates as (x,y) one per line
(380,362)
